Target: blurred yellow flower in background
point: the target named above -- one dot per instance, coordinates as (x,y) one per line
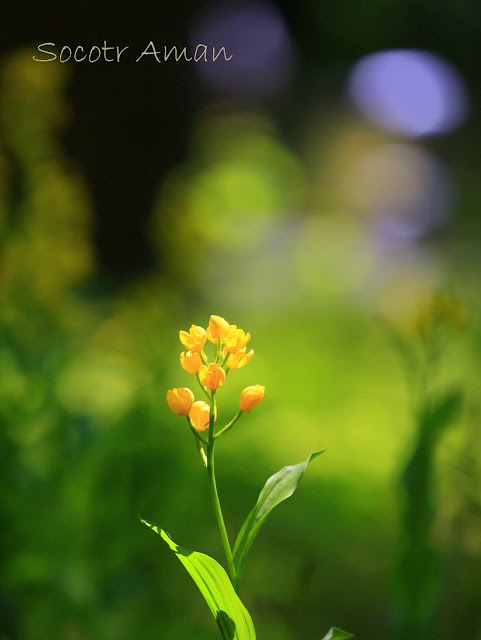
(441,309)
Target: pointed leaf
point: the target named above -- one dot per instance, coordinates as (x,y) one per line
(232,617)
(337,634)
(278,487)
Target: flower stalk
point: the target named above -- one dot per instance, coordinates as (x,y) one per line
(206,393)
(229,352)
(215,495)
(229,426)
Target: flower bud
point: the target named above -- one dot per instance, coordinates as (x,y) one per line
(211,376)
(217,328)
(239,359)
(250,397)
(200,415)
(194,340)
(180,401)
(191,362)
(235,339)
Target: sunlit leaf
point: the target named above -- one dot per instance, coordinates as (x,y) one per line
(278,487)
(337,634)
(232,617)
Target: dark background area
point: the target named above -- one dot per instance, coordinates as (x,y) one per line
(131,122)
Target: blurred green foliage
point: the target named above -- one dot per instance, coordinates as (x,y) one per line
(87,442)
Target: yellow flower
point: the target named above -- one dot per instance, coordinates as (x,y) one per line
(235,339)
(212,376)
(251,396)
(217,328)
(199,415)
(194,341)
(239,359)
(191,362)
(180,401)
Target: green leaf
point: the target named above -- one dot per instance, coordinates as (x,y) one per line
(435,417)
(278,487)
(232,617)
(337,634)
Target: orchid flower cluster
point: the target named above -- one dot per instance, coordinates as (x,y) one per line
(230,352)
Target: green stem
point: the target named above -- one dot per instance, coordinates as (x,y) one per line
(230,425)
(225,360)
(218,512)
(195,432)
(215,496)
(202,452)
(202,386)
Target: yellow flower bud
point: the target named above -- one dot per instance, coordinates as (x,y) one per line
(191,362)
(235,339)
(217,328)
(239,359)
(251,396)
(199,415)
(180,401)
(212,376)
(194,340)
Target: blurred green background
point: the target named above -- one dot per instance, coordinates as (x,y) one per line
(321,198)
